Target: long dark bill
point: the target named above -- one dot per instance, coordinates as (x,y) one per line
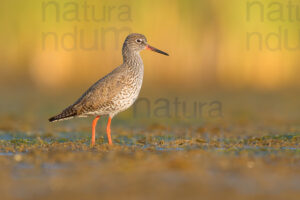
(156,50)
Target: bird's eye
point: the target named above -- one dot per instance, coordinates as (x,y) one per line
(138,41)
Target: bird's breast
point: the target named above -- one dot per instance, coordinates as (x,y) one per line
(131,88)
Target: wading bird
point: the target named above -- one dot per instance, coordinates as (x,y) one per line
(116,91)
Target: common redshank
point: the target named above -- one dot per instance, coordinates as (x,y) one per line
(116,91)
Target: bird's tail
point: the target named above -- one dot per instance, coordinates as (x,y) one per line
(65,114)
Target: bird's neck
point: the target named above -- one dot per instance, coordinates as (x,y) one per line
(131,58)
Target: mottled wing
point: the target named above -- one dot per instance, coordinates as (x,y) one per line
(99,96)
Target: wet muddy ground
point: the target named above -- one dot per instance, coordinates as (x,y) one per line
(152,163)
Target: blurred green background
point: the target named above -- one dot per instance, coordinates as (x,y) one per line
(236,52)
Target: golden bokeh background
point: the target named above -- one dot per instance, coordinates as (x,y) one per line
(207,42)
(236,52)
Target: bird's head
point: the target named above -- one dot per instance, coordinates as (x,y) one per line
(137,42)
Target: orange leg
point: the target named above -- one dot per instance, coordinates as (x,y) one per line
(108,131)
(94,130)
